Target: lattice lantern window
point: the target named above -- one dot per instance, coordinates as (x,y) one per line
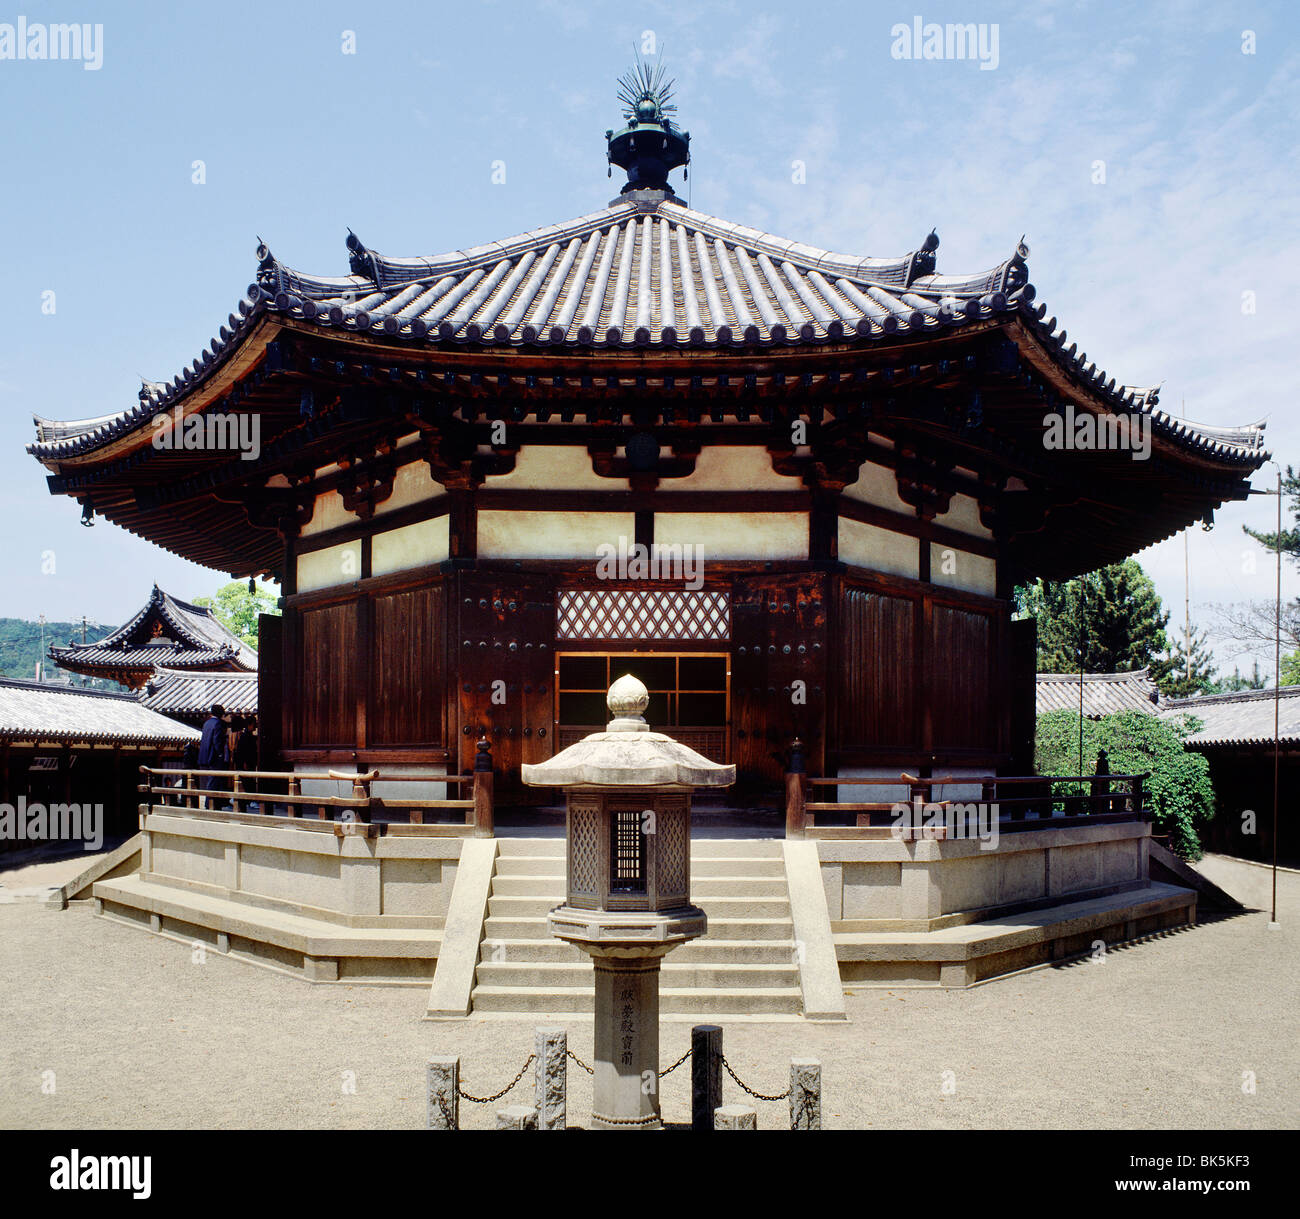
(629,851)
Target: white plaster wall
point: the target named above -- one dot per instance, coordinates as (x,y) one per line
(972,573)
(873,792)
(965,792)
(877,549)
(328,513)
(737,535)
(329,567)
(734,468)
(412,484)
(877,485)
(550,535)
(554,468)
(964,514)
(410,546)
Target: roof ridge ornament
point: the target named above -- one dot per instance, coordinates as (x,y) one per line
(651,145)
(361,261)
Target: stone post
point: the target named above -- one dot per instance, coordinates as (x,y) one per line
(551,1045)
(734,1117)
(805,1094)
(484,824)
(443,1109)
(706,1076)
(517,1117)
(625,1086)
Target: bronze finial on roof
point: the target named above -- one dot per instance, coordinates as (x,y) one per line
(650,146)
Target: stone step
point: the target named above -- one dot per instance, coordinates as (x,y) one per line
(755,1000)
(550,975)
(705,887)
(702,887)
(744,907)
(533,927)
(538,905)
(549,848)
(549,887)
(734,848)
(701,848)
(736,865)
(531,865)
(703,951)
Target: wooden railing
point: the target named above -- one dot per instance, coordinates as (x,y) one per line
(1027,800)
(359,811)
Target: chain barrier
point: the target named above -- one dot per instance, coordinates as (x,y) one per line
(745,1087)
(675,1065)
(580,1063)
(485,1100)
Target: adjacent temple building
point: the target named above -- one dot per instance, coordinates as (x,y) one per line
(790,490)
(178,656)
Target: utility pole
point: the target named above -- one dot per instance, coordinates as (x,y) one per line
(1187,595)
(1274,925)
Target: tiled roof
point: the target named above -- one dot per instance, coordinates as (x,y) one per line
(1103,693)
(174,692)
(30,711)
(1244,718)
(201,642)
(645,272)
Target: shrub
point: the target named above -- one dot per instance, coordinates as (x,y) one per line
(1181,794)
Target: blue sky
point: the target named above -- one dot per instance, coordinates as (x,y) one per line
(300,141)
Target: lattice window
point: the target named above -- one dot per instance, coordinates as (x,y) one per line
(627,857)
(674,848)
(584,851)
(642,614)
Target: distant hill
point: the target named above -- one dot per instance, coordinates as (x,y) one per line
(20,649)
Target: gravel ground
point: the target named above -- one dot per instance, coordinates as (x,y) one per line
(1159,1035)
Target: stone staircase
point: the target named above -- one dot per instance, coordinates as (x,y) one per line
(744,966)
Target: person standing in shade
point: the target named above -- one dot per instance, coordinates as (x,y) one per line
(214,749)
(245,755)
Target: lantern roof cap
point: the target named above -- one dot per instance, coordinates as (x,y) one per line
(628,753)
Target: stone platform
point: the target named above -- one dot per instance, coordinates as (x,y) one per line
(791,923)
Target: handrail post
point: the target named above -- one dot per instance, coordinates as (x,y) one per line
(482,813)
(236,785)
(361,794)
(989,797)
(295,789)
(796,812)
(1138,797)
(189,801)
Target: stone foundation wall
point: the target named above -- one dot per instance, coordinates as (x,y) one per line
(361,882)
(889,885)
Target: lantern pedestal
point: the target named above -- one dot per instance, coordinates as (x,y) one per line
(626,950)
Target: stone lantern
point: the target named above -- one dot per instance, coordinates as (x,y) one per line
(628,887)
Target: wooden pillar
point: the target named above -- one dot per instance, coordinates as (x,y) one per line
(796,819)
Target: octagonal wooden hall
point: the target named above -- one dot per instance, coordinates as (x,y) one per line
(788,489)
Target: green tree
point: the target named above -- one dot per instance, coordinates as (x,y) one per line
(237,608)
(1290,538)
(1230,685)
(1191,672)
(1113,614)
(1180,790)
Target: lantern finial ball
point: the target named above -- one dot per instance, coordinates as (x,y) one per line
(627,698)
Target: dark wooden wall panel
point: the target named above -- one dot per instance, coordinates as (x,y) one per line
(959,655)
(328,664)
(407,670)
(778,635)
(877,670)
